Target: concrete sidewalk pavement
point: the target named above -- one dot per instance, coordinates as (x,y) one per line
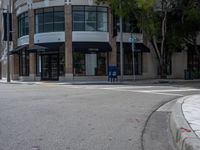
(185,123)
(126,82)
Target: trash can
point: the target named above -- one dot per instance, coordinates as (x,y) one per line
(188,74)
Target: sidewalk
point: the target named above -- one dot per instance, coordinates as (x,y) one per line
(127,82)
(4,81)
(185,123)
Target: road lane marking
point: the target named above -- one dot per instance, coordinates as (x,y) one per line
(128,87)
(148,92)
(155,91)
(159,90)
(168,94)
(174,90)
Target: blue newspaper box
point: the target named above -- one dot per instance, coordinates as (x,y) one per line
(112,73)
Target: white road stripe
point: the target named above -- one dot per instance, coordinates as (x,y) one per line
(159,90)
(128,87)
(173,90)
(172,94)
(148,92)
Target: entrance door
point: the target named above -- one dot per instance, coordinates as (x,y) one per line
(49,67)
(91,64)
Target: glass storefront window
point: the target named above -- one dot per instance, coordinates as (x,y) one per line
(138,63)
(98,66)
(61,64)
(49,19)
(194,63)
(101,64)
(79,63)
(128,62)
(24,63)
(23,26)
(90,18)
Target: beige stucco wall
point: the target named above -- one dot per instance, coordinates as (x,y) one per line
(149,66)
(179,64)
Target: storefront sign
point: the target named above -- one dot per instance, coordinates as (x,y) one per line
(93,49)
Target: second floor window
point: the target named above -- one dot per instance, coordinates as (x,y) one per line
(129,25)
(23,28)
(49,19)
(90,18)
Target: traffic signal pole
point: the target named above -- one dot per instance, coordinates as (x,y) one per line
(121,45)
(8,43)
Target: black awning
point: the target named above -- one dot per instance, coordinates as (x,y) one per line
(51,46)
(142,47)
(139,47)
(191,48)
(89,47)
(18,49)
(37,48)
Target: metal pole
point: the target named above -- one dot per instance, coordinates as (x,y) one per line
(8,43)
(121,46)
(133,48)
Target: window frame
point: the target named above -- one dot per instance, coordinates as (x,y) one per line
(24,63)
(23,30)
(79,8)
(54,10)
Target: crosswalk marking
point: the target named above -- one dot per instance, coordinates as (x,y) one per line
(159,90)
(174,90)
(147,92)
(167,91)
(128,87)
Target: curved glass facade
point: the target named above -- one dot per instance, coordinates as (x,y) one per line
(90,18)
(49,19)
(23,26)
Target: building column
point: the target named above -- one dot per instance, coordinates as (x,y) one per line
(32,56)
(14,61)
(112,40)
(68,43)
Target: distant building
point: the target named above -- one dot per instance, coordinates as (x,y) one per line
(3,45)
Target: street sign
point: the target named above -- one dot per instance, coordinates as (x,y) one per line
(132,39)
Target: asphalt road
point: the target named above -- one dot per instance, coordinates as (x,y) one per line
(49,116)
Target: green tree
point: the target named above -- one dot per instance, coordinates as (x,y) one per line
(160,22)
(155,18)
(190,23)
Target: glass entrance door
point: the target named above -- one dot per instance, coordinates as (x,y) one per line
(50,65)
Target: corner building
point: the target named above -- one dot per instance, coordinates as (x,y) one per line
(72,40)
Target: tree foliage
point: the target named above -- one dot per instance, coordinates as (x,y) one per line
(168,24)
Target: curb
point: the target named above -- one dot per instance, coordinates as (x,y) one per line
(124,82)
(184,137)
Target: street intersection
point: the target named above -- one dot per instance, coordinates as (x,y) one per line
(59,116)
